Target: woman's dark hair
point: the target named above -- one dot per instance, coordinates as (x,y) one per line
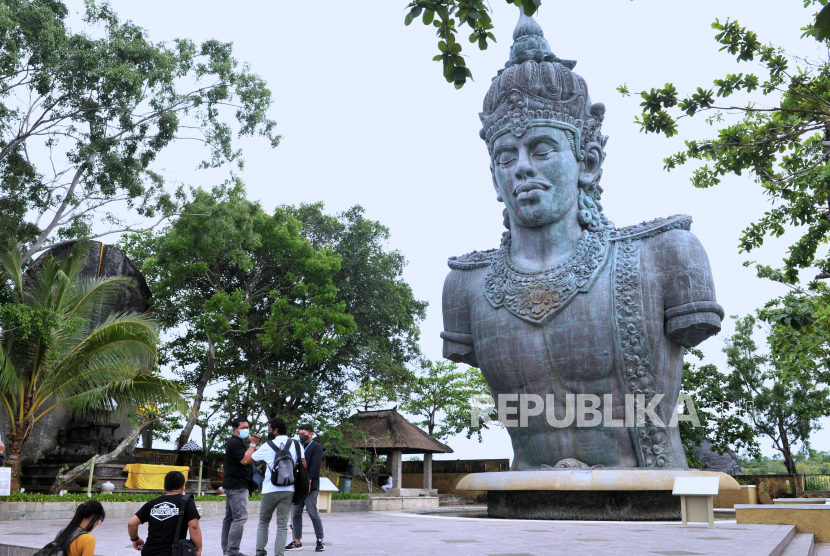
(90,508)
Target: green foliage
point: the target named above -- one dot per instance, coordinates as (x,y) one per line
(246,298)
(783,393)
(289,309)
(55,351)
(348,496)
(720,409)
(443,396)
(783,144)
(447,16)
(94,108)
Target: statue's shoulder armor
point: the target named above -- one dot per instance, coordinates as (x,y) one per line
(470,261)
(653,227)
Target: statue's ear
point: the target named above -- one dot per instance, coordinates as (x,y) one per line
(495,185)
(591,164)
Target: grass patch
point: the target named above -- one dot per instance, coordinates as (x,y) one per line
(348,496)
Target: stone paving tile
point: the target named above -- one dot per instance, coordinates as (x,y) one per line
(373,534)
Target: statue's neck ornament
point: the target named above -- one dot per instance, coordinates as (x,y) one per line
(537,296)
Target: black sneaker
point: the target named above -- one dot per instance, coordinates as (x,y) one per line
(294,545)
(320,546)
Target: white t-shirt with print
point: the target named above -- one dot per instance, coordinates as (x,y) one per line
(266,454)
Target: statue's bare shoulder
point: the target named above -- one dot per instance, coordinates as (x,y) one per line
(675,259)
(472,261)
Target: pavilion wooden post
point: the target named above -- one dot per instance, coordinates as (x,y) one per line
(397,471)
(427,471)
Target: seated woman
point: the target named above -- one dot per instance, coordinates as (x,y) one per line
(75,539)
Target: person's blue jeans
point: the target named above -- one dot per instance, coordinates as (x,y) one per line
(279,502)
(310,503)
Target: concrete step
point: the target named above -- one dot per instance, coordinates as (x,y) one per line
(802,544)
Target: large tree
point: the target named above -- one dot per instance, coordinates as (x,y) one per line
(780,138)
(54,353)
(244,296)
(84,114)
(780,394)
(443,397)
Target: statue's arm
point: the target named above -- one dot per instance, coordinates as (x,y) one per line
(691,311)
(457,334)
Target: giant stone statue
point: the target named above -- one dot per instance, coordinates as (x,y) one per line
(569,303)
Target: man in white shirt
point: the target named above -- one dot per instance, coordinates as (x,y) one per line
(274,498)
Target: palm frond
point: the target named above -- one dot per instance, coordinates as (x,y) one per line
(11,269)
(137,391)
(91,298)
(122,346)
(9,378)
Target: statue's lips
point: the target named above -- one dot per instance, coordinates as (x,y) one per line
(526,186)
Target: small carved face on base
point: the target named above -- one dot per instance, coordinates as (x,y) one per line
(537,176)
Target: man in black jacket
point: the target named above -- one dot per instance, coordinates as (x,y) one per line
(235,484)
(313,458)
(2,453)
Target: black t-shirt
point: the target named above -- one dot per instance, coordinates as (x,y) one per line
(162,515)
(236,474)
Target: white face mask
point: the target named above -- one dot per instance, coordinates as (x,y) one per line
(243,434)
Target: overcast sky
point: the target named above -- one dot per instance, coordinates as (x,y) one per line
(368,119)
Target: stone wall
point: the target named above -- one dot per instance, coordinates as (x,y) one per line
(728,498)
(770,487)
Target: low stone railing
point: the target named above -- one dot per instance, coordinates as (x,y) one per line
(17,511)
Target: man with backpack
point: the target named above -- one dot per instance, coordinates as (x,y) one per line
(281,456)
(170,518)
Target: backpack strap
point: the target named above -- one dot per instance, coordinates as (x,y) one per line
(182,504)
(299,457)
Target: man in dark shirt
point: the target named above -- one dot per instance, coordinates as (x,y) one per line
(162,514)
(313,458)
(235,485)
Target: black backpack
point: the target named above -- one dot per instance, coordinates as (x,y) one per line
(53,549)
(282,472)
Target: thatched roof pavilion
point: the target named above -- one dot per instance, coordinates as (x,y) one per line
(386,432)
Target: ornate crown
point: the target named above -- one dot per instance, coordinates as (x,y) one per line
(538,88)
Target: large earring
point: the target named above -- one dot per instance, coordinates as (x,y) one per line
(588,214)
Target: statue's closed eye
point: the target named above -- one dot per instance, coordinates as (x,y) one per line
(505,157)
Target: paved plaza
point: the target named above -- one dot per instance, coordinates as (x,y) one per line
(386,533)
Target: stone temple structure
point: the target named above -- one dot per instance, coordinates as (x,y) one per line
(56,434)
(570,311)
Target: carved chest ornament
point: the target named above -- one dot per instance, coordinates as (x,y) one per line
(537,296)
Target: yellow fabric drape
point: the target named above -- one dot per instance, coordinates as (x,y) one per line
(150,477)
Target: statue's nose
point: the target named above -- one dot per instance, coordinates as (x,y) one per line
(525,170)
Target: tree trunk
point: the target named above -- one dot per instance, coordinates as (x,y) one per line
(63,479)
(789,462)
(15,446)
(193,416)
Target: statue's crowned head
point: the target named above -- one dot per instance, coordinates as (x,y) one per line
(538,95)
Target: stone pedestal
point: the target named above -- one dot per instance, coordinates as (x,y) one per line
(586,494)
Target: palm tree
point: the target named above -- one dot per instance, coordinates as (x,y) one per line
(56,352)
